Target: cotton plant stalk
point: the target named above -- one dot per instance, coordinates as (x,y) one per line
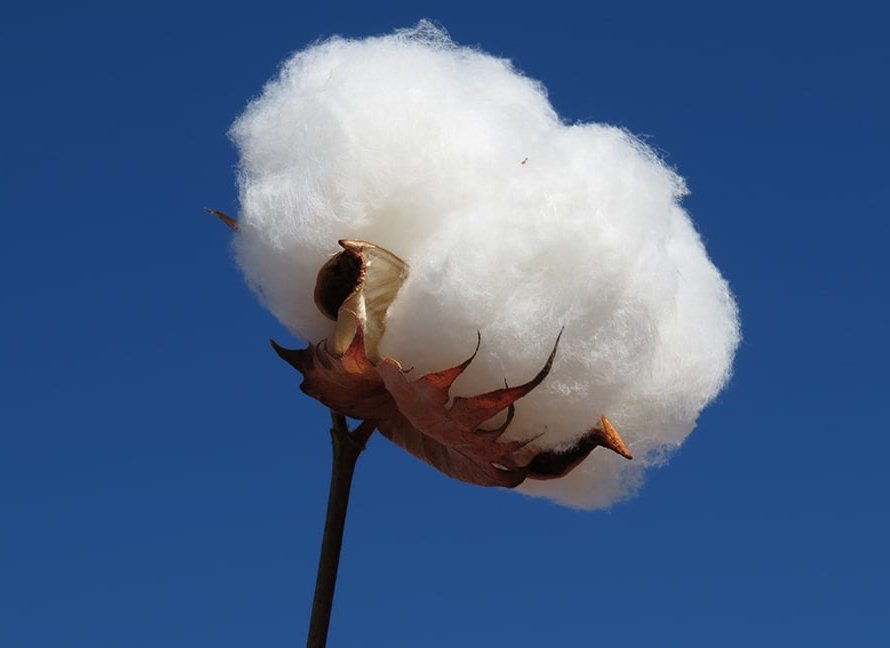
(405,200)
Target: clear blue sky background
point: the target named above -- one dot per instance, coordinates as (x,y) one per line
(163,481)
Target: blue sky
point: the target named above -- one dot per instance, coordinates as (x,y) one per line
(163,481)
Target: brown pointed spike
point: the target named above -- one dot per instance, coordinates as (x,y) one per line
(444,379)
(230,222)
(472,411)
(607,436)
(293,357)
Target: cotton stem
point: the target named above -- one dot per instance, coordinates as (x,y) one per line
(347,446)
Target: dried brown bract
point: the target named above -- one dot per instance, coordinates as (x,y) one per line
(355,288)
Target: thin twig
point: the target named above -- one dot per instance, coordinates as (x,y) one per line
(347,447)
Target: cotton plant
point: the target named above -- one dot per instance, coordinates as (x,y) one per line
(518,301)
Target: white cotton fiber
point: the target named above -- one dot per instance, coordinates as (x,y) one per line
(513,224)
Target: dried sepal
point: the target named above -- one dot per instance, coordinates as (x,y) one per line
(415,415)
(347,383)
(229,222)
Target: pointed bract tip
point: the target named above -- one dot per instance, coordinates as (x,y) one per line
(296,358)
(230,222)
(608,437)
(280,350)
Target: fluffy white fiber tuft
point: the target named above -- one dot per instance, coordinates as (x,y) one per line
(513,223)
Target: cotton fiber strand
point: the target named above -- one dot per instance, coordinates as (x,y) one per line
(513,223)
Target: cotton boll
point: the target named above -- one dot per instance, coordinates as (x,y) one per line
(513,224)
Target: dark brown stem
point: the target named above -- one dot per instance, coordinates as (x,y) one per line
(347,448)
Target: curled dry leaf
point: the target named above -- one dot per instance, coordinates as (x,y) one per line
(355,288)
